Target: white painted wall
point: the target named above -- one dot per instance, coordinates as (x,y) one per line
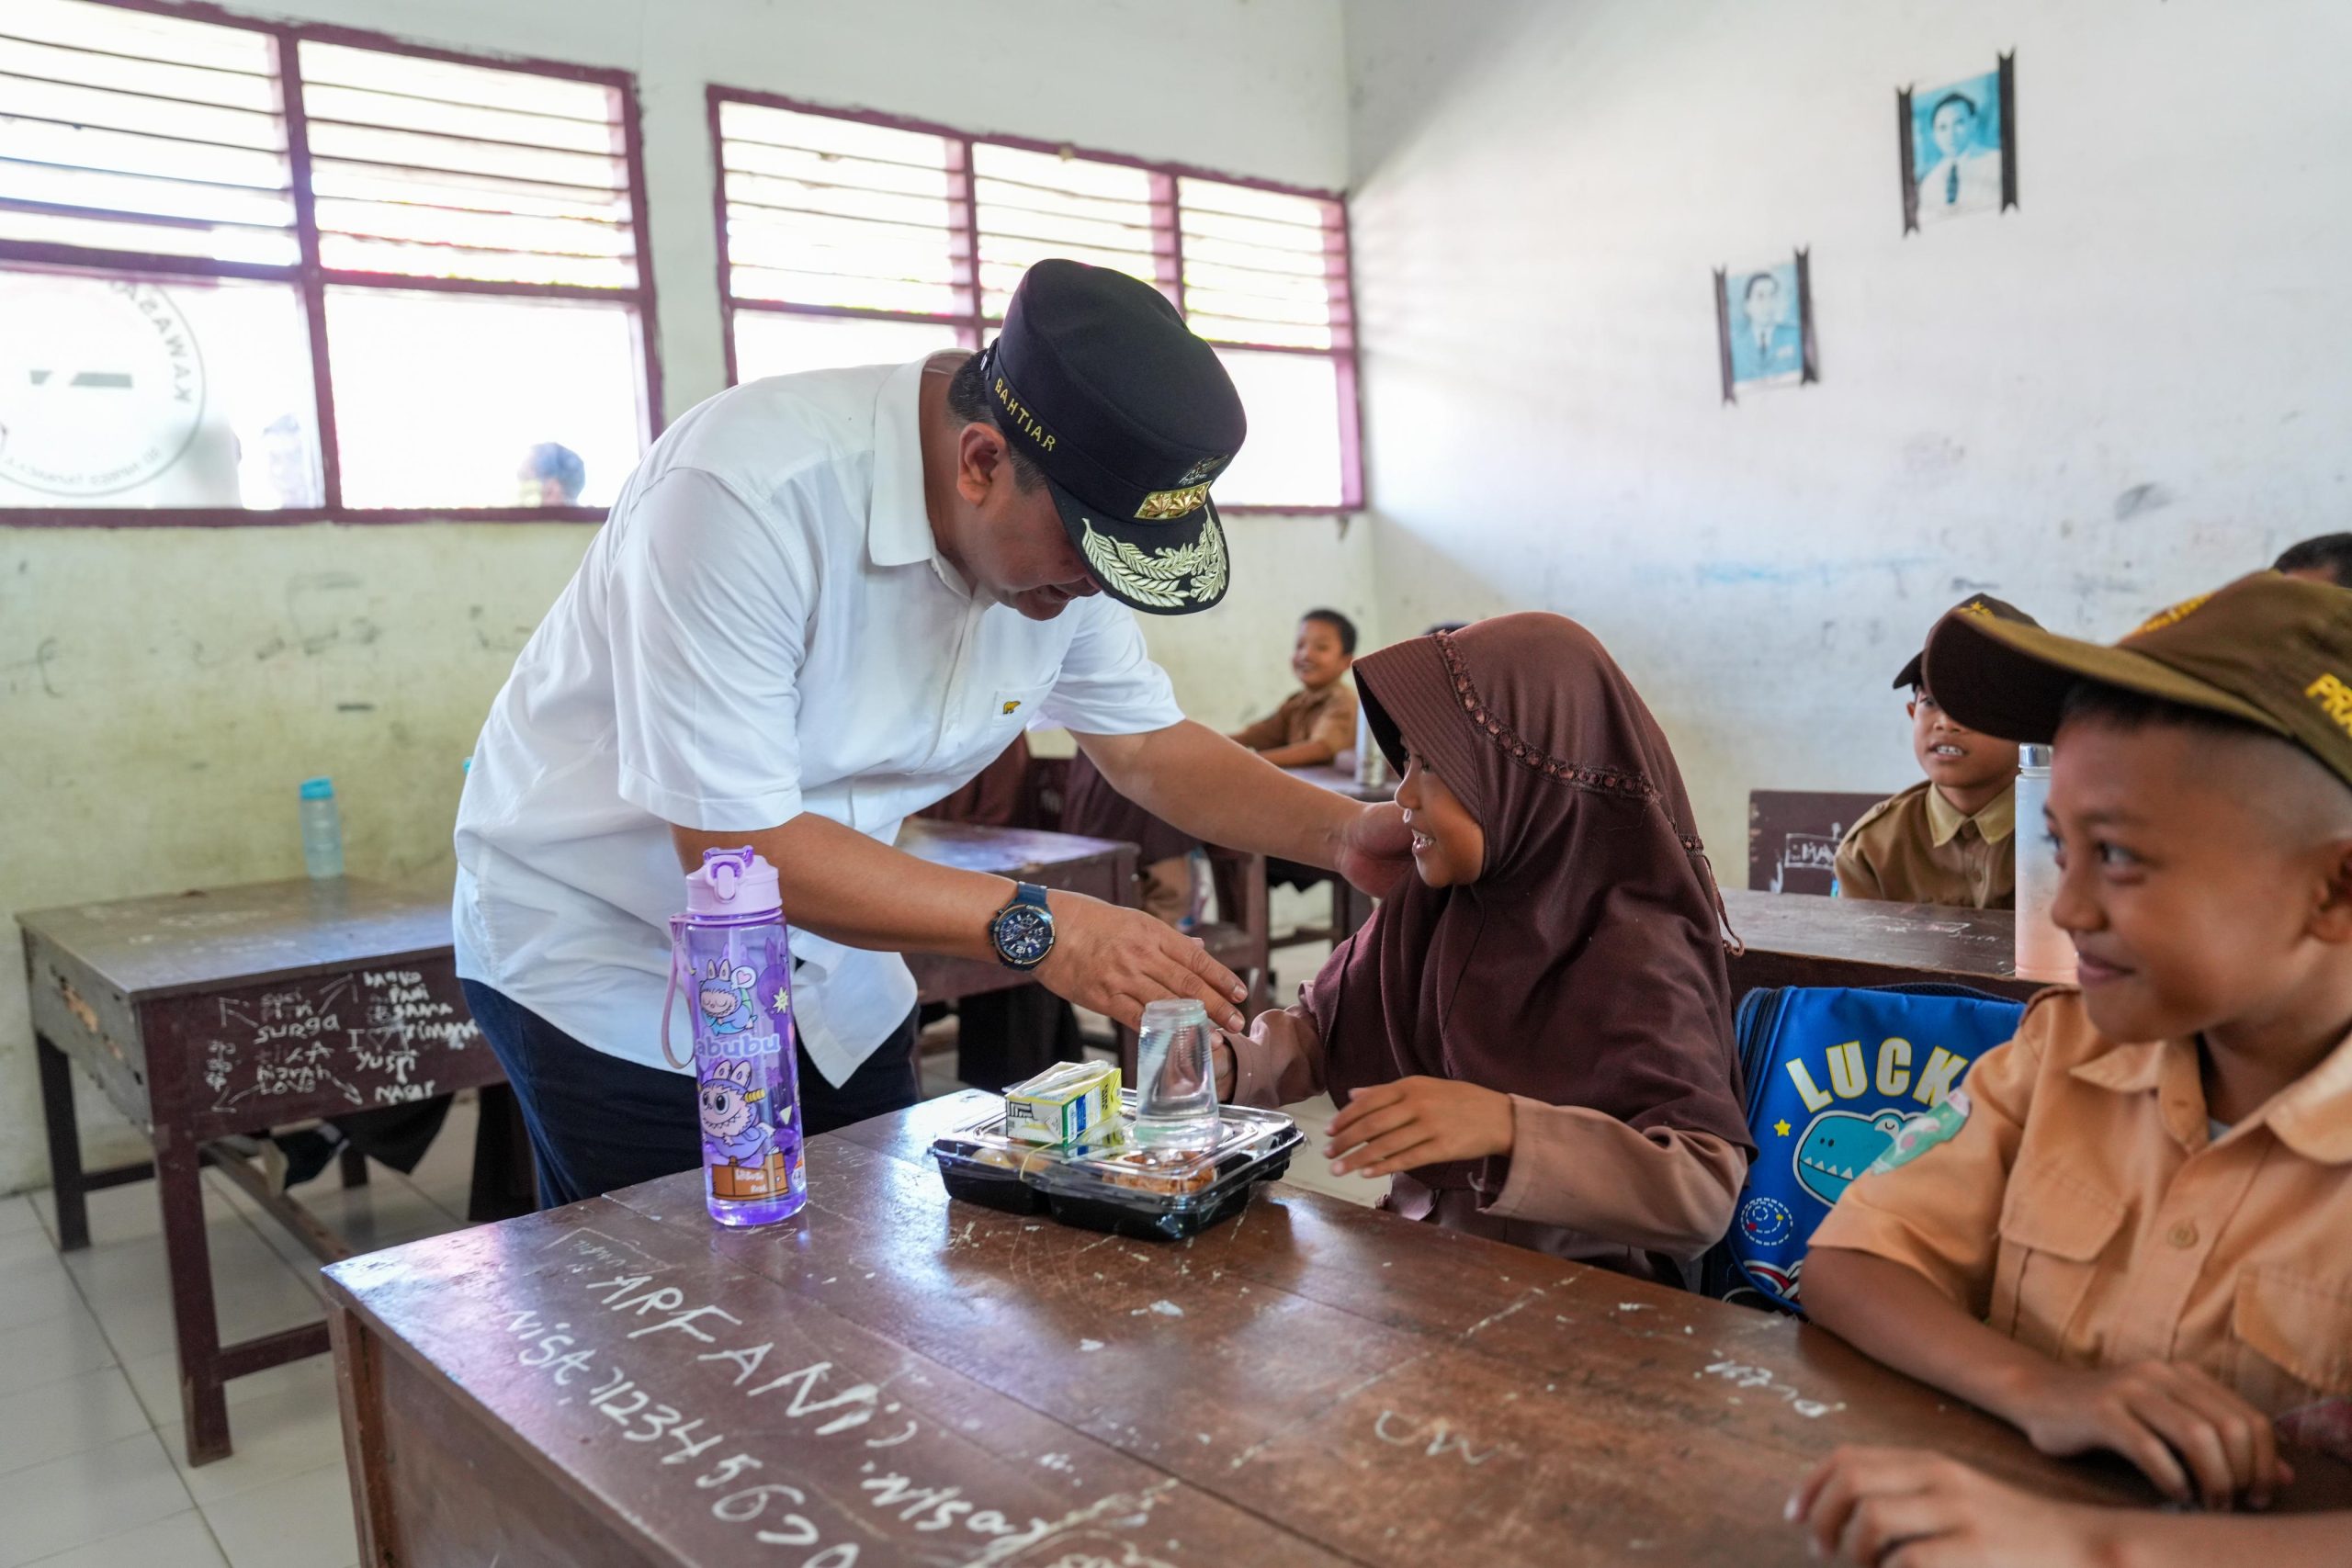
(1543,189)
(162,692)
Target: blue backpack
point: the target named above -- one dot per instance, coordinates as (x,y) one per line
(1833,1074)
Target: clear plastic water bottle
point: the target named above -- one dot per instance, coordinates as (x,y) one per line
(321,829)
(1176,1078)
(2043,952)
(730,952)
(1371,763)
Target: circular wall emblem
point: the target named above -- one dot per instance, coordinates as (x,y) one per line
(101,385)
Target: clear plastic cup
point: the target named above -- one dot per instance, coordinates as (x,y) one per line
(1176,1077)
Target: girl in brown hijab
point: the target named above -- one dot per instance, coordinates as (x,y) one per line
(1533,1037)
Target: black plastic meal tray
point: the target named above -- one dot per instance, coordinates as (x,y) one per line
(993,1187)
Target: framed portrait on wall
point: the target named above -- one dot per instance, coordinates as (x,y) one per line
(1960,146)
(1764,325)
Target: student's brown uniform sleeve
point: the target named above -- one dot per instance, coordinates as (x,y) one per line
(1335,725)
(1940,1215)
(1265,735)
(1857,878)
(1661,1191)
(1280,1062)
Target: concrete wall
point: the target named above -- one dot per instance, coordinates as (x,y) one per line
(163,691)
(2128,390)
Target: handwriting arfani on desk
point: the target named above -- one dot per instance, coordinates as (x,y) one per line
(821,1401)
(370,1038)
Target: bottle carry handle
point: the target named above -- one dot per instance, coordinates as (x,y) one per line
(669,1001)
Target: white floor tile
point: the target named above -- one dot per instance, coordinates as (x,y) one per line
(156,1380)
(36,1290)
(247,1300)
(276,1436)
(122,1213)
(183,1540)
(302,1521)
(47,1352)
(69,1416)
(25,1246)
(18,1215)
(88,1497)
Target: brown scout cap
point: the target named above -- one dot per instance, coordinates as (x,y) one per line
(2271,650)
(1984,602)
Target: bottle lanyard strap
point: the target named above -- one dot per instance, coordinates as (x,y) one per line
(669,1000)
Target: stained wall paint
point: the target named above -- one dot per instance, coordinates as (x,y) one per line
(2129,390)
(162,692)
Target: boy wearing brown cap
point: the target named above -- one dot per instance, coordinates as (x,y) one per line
(1947,839)
(2129,1231)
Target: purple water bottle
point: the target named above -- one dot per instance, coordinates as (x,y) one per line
(728,951)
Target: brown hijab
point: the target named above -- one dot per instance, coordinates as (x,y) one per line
(1585,966)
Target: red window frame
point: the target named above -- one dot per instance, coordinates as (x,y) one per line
(1169,248)
(311,280)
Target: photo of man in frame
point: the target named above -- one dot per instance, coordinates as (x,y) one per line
(1764,325)
(1958,146)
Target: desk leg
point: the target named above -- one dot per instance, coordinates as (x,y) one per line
(189,1259)
(355,1168)
(64,1145)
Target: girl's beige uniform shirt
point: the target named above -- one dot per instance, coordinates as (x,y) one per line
(2086,1209)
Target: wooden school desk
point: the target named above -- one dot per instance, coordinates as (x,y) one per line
(231,1011)
(895,1379)
(1102,868)
(1796,940)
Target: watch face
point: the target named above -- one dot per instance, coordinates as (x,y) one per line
(1024,935)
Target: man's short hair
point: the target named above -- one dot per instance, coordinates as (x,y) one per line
(2330,553)
(551,460)
(1337,623)
(968,400)
(1754,278)
(1962,99)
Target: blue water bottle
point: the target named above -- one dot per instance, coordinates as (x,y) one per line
(321,829)
(730,952)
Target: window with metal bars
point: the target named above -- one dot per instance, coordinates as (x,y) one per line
(259,271)
(852,239)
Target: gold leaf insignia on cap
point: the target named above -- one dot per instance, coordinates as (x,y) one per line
(2178,612)
(1161,504)
(1163,579)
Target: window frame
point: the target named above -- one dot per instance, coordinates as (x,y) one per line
(310,281)
(1168,254)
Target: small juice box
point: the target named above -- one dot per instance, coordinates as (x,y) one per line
(1063,1103)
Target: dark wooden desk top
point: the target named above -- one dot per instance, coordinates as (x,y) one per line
(1853,941)
(172,943)
(1313,1383)
(1001,852)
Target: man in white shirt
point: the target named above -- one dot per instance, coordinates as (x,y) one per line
(821,602)
(1965,175)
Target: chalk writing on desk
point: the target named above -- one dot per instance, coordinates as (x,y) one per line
(361,1040)
(820,1401)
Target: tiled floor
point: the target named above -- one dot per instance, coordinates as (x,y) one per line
(92,1469)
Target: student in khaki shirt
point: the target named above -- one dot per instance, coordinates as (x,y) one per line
(2126,1230)
(1317,722)
(1947,839)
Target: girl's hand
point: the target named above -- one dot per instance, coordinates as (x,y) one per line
(1891,1508)
(1416,1122)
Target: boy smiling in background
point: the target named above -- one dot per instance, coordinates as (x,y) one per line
(1947,839)
(1317,722)
(2133,1239)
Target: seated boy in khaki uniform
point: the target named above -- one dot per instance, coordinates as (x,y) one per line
(1317,722)
(2128,1230)
(1947,839)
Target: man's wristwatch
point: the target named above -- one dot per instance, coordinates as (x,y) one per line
(1022,931)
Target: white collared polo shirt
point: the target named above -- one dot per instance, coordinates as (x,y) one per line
(762,626)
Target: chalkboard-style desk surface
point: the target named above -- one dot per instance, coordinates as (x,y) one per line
(894,1378)
(227,1011)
